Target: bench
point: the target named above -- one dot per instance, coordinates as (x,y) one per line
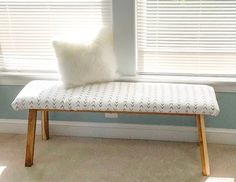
(117,97)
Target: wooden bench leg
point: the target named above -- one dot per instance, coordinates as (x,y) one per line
(29,156)
(44,125)
(203,145)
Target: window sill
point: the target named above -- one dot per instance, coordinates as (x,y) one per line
(220,84)
(18,78)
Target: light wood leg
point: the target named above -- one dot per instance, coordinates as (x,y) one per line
(44,125)
(29,156)
(203,145)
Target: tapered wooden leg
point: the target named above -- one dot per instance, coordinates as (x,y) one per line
(203,145)
(44,125)
(29,156)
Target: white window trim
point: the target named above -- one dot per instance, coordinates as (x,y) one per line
(23,78)
(220,84)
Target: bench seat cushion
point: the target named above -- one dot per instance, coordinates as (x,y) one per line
(119,97)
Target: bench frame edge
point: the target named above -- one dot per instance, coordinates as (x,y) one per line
(32,116)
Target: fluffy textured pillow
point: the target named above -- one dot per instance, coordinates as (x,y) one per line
(80,64)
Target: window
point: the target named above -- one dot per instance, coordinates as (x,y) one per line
(186,37)
(27,28)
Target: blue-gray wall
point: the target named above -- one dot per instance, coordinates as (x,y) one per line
(226,118)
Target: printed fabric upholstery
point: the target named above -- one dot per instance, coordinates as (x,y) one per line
(119,97)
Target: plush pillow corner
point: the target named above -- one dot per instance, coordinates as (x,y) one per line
(81,64)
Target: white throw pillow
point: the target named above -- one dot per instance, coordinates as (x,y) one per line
(80,64)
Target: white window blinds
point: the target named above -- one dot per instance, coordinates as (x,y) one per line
(27,28)
(186,37)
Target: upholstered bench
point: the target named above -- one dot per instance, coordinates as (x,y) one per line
(117,97)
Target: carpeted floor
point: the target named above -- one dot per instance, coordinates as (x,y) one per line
(111,160)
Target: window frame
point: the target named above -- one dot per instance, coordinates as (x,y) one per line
(125,48)
(179,53)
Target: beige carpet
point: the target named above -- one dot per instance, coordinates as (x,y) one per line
(111,160)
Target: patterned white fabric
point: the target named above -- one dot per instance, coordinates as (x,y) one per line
(120,97)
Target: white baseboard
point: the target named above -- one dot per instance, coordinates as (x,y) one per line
(123,131)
